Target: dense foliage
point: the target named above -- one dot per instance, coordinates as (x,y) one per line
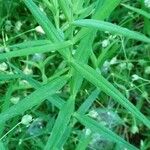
(74,74)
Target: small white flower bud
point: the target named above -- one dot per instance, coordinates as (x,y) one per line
(39,30)
(26,119)
(15,100)
(105,43)
(27,71)
(135,77)
(18,25)
(134,129)
(87,132)
(113,61)
(93,114)
(3,66)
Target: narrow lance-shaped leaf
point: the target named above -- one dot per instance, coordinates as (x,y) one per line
(88,102)
(54,99)
(47,26)
(99,81)
(102,11)
(2,147)
(6,77)
(137,10)
(34,98)
(35,49)
(107,53)
(106,26)
(84,141)
(42,19)
(60,124)
(30,44)
(105,9)
(82,55)
(65,6)
(102,130)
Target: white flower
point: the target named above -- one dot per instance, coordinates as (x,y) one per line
(26,119)
(93,114)
(18,25)
(39,30)
(113,61)
(3,66)
(105,43)
(134,129)
(147,3)
(15,100)
(135,77)
(27,71)
(87,132)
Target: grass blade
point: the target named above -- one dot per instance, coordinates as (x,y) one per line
(102,11)
(64,4)
(42,19)
(99,81)
(88,102)
(105,9)
(6,77)
(83,142)
(36,49)
(137,10)
(33,99)
(30,44)
(60,125)
(54,99)
(47,26)
(101,129)
(106,26)
(107,53)
(2,147)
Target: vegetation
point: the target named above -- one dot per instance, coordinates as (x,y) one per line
(74,74)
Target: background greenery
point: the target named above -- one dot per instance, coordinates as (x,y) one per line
(74,74)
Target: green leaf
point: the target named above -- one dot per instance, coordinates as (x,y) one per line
(88,102)
(36,49)
(82,54)
(105,9)
(35,98)
(30,44)
(102,11)
(100,82)
(54,99)
(83,141)
(43,20)
(60,124)
(107,53)
(47,26)
(6,77)
(2,147)
(6,104)
(137,10)
(66,8)
(102,130)
(112,28)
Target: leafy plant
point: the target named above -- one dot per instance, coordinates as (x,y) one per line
(74,74)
